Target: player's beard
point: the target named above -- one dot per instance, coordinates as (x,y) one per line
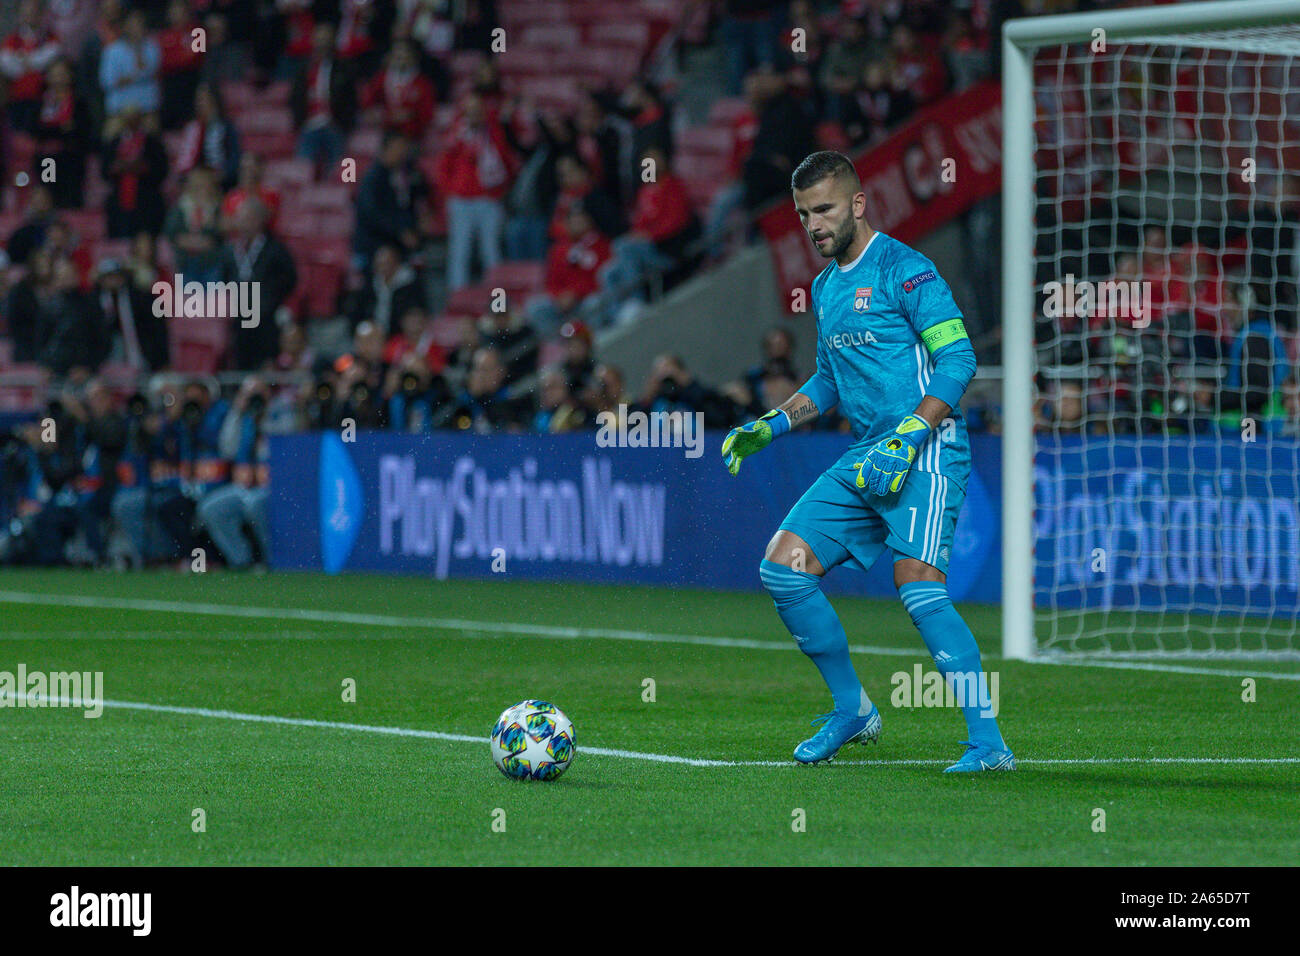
(841,239)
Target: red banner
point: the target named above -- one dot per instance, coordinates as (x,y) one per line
(946,159)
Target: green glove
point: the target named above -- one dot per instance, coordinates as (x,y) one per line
(743,441)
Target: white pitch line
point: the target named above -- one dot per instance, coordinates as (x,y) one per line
(487,628)
(471,628)
(633,754)
(1167,668)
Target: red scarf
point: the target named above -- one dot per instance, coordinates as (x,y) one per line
(130,147)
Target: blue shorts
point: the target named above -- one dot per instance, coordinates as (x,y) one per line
(845,524)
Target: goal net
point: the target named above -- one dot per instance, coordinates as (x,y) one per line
(1151,240)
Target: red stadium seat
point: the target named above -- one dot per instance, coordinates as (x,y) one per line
(517,13)
(289,173)
(724,111)
(525,60)
(519,279)
(269,145)
(706,140)
(198,344)
(473,300)
(555,36)
(633,33)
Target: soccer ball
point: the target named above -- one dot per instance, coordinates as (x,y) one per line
(533,740)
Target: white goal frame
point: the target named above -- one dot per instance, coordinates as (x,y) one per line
(1020,39)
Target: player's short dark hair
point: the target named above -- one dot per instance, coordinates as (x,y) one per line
(820,165)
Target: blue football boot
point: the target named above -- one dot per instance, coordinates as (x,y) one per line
(980,757)
(836,731)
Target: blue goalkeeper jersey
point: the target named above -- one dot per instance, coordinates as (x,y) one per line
(888,333)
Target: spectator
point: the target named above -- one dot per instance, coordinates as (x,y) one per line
(577,184)
(468,340)
(323,101)
(181,64)
(1257,360)
(777,346)
(405,98)
(877,106)
(920,67)
(128,70)
(392,290)
(557,409)
(250,185)
(26,304)
(136,337)
(842,67)
(387,203)
(210,139)
(651,125)
(192,465)
(226,59)
(364,28)
(62,243)
(361,376)
(578,364)
(62,136)
(105,434)
(604,393)
(664,226)
(142,265)
(193,227)
(73,21)
(671,387)
(513,340)
(296,353)
(532,195)
(475,25)
(136,167)
(253,255)
(418,400)
(415,334)
(485,403)
(783,139)
(30,234)
(54,465)
(750,29)
(572,271)
(474,170)
(225,511)
(602,143)
(70,341)
(25,55)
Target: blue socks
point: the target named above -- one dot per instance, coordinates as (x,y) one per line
(955,653)
(817,630)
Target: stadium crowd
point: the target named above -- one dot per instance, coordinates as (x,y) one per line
(226,160)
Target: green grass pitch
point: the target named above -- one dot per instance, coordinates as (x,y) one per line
(449,656)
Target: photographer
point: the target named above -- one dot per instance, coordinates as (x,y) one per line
(417,399)
(132,504)
(672,388)
(189,464)
(56,441)
(225,511)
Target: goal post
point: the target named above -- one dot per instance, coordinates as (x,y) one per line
(1123,130)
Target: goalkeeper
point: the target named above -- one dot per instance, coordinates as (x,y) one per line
(893,354)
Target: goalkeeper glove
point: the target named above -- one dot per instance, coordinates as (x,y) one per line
(890,458)
(742,442)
